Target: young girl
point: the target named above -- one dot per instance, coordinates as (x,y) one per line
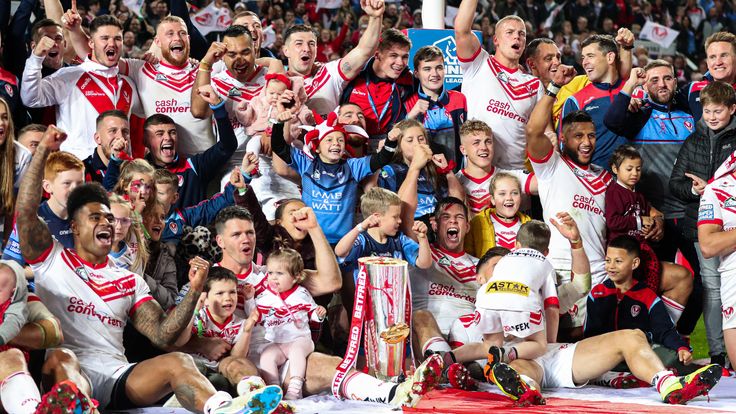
(497,224)
(259,115)
(285,309)
(128,251)
(14,160)
(136,183)
(329,182)
(629,213)
(436,178)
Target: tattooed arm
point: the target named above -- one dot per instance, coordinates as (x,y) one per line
(353,62)
(164,329)
(33,234)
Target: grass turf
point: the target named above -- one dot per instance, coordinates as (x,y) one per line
(698,342)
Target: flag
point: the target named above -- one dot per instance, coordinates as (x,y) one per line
(135,6)
(329,4)
(661,35)
(553,15)
(212,19)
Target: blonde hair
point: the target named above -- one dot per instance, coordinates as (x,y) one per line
(135,233)
(378,200)
(293,261)
(502,176)
(127,170)
(721,37)
(7,167)
(172,19)
(473,126)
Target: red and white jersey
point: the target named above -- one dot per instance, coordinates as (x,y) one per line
(718,206)
(447,289)
(207,327)
(478,189)
(503,98)
(523,281)
(580,191)
(505,232)
(165,89)
(234,93)
(286,315)
(80,93)
(325,87)
(92,302)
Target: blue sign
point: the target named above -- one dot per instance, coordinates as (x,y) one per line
(445,40)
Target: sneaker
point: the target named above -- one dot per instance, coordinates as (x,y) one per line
(425,379)
(459,377)
(66,398)
(495,355)
(511,384)
(262,401)
(690,386)
(285,408)
(250,384)
(620,380)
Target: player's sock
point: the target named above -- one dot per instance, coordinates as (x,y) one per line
(250,383)
(509,353)
(295,389)
(363,387)
(19,394)
(663,379)
(216,400)
(674,309)
(436,344)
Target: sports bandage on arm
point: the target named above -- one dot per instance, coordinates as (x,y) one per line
(47,324)
(571,292)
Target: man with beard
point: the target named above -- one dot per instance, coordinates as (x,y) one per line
(94,302)
(236,237)
(324,83)
(81,93)
(352,114)
(113,133)
(658,130)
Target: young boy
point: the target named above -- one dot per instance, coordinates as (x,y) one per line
(215,318)
(622,302)
(62,173)
(379,235)
(167,186)
(476,144)
(511,302)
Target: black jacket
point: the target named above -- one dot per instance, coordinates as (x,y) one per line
(701,158)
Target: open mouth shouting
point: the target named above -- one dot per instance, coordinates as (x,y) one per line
(240,69)
(168,150)
(111,53)
(453,234)
(156,230)
(104,237)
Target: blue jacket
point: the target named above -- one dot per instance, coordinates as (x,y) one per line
(595,99)
(657,131)
(638,308)
(198,215)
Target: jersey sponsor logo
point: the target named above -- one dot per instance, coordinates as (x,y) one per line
(81,307)
(730,202)
(635,310)
(705,212)
(519,327)
(358,92)
(508,286)
(234,92)
(586,203)
(439,289)
(504,109)
(171,106)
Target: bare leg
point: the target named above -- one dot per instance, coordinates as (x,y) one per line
(425,328)
(676,283)
(18,391)
(529,368)
(729,336)
(533,346)
(478,350)
(596,355)
(321,369)
(153,379)
(234,369)
(61,364)
(11,361)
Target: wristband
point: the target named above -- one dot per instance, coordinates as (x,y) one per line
(552,89)
(360,227)
(204,70)
(450,166)
(627,47)
(246,176)
(218,106)
(242,191)
(205,65)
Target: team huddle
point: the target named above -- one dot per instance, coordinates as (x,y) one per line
(188,232)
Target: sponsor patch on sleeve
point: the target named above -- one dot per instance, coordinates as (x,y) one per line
(705,212)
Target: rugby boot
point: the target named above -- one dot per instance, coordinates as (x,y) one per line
(510,383)
(620,380)
(66,398)
(455,374)
(495,355)
(683,389)
(260,401)
(425,379)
